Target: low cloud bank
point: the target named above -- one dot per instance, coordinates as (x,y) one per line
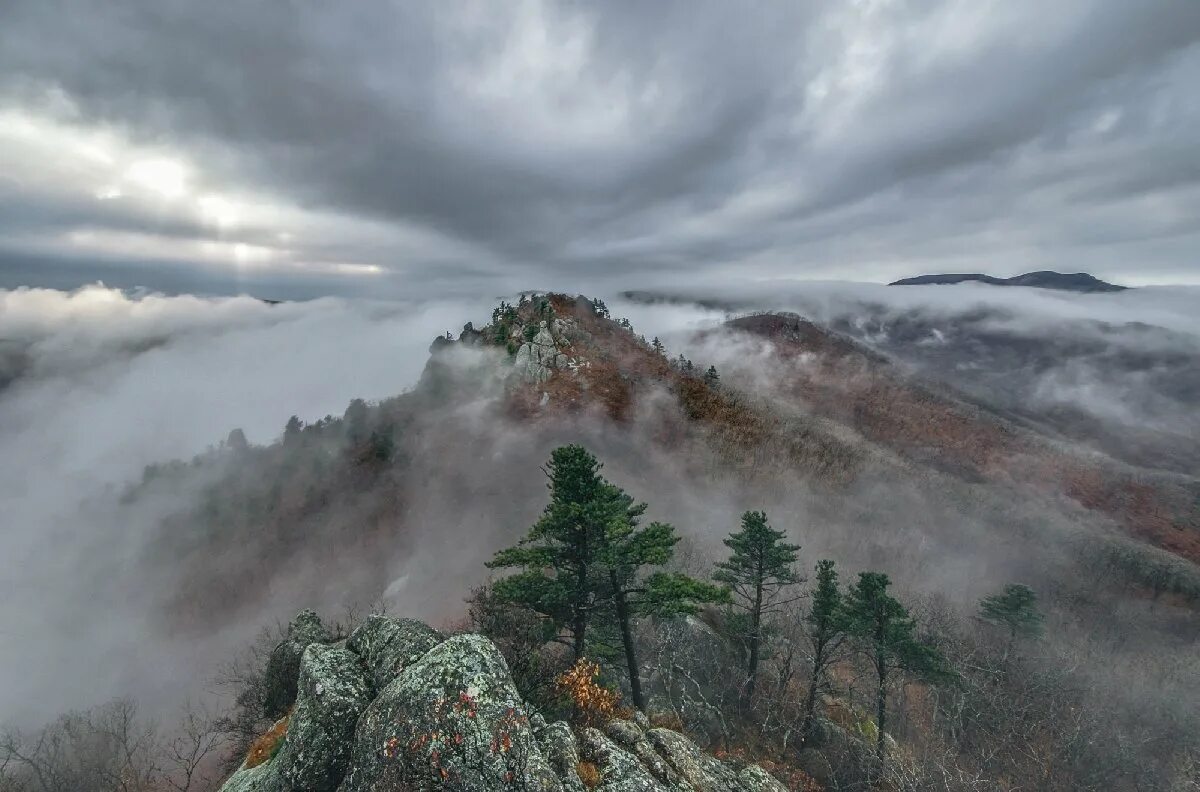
(1130,358)
(94,385)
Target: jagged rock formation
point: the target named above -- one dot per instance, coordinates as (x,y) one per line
(397,707)
(538,356)
(283,667)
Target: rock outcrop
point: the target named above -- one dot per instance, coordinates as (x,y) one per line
(398,707)
(539,355)
(283,667)
(453,720)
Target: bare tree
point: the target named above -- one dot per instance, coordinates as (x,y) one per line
(192,755)
(108,749)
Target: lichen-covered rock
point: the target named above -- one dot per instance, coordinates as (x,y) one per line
(754,779)
(620,770)
(283,667)
(699,770)
(629,736)
(332,691)
(400,708)
(562,754)
(253,779)
(454,721)
(388,646)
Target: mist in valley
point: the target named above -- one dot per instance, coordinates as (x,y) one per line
(99,384)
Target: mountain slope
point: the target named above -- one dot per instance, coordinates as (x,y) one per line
(854,457)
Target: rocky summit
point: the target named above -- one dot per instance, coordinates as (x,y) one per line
(399,707)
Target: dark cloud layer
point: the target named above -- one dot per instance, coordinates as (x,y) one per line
(436,146)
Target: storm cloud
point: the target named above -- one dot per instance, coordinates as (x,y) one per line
(402,148)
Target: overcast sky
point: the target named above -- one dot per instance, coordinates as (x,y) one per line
(300,148)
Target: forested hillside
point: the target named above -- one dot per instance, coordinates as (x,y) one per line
(790,550)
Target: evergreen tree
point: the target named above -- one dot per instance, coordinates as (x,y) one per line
(758,572)
(355,418)
(658,347)
(1016,610)
(587,557)
(291,432)
(711,377)
(826,633)
(630,549)
(600,308)
(562,554)
(888,636)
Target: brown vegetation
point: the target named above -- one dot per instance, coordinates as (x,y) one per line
(593,704)
(266,746)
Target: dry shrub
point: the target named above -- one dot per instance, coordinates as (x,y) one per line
(667,720)
(594,704)
(589,774)
(266,746)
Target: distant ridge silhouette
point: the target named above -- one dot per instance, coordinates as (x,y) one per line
(1045,279)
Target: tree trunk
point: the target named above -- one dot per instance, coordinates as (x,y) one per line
(755,626)
(635,682)
(580,611)
(880,702)
(810,704)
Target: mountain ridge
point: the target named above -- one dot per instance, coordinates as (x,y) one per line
(1081,282)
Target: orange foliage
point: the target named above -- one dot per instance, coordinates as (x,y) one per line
(594,703)
(589,774)
(264,747)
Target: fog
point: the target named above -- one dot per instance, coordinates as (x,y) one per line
(1131,358)
(96,384)
(100,384)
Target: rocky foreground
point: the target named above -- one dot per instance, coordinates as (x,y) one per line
(398,706)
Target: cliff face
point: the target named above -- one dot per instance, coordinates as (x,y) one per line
(399,707)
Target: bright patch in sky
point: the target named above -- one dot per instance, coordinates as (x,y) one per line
(165,177)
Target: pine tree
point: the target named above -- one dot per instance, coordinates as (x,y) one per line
(355,418)
(711,377)
(887,634)
(587,557)
(759,573)
(826,633)
(1014,609)
(658,347)
(562,553)
(291,432)
(630,549)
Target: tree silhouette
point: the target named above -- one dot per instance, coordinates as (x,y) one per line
(888,636)
(759,571)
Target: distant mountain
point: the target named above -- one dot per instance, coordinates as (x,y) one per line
(1064,281)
